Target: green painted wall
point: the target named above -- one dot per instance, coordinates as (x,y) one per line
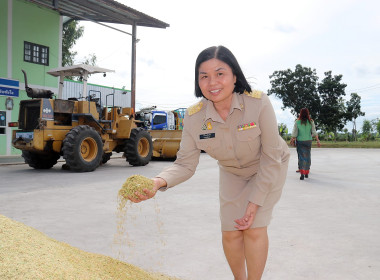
(3,62)
(44,31)
(36,25)
(3,149)
(14,118)
(3,36)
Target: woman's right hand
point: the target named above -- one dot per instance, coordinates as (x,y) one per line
(157,183)
(293,142)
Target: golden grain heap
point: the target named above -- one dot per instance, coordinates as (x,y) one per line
(135,183)
(26,253)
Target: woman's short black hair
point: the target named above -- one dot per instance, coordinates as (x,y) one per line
(225,55)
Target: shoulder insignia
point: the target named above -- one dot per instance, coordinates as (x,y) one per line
(195,108)
(254,93)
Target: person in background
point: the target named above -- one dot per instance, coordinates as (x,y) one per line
(237,127)
(302,134)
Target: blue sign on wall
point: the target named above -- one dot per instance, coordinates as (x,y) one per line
(9,87)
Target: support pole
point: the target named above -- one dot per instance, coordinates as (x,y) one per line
(133,70)
(85,77)
(60,88)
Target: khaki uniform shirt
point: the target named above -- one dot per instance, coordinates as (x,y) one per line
(247,143)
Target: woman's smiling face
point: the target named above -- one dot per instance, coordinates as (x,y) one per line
(216,81)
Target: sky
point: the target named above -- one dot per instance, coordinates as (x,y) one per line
(342,36)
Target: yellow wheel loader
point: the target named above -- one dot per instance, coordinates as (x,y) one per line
(80,129)
(165,128)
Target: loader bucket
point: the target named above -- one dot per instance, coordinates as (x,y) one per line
(166,143)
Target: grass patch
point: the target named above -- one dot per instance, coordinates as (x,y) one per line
(344,144)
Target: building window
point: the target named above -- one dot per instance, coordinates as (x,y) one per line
(35,53)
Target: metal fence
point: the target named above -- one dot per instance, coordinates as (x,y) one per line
(122,98)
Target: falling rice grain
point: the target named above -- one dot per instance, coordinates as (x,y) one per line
(135,183)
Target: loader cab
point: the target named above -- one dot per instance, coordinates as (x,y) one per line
(90,102)
(81,70)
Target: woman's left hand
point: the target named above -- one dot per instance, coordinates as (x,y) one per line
(147,194)
(247,220)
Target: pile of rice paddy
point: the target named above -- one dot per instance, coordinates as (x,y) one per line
(26,253)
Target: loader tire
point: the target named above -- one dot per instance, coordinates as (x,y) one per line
(40,161)
(138,148)
(82,149)
(106,157)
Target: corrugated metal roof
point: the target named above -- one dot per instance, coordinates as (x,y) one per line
(101,11)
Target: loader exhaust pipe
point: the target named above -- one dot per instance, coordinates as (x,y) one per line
(36,92)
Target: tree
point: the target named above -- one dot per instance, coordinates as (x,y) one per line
(346,135)
(71,33)
(353,111)
(333,110)
(283,130)
(90,60)
(301,89)
(296,89)
(376,126)
(366,130)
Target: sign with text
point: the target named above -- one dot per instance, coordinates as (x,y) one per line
(9,87)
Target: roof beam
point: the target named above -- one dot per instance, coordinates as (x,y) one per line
(108,11)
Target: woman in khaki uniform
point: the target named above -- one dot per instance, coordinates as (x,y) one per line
(238,128)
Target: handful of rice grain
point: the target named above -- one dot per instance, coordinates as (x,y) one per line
(135,183)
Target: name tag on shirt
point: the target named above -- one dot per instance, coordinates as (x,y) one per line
(207,136)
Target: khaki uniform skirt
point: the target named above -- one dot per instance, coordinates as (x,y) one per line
(233,195)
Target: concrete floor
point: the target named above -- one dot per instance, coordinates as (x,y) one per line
(326,227)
